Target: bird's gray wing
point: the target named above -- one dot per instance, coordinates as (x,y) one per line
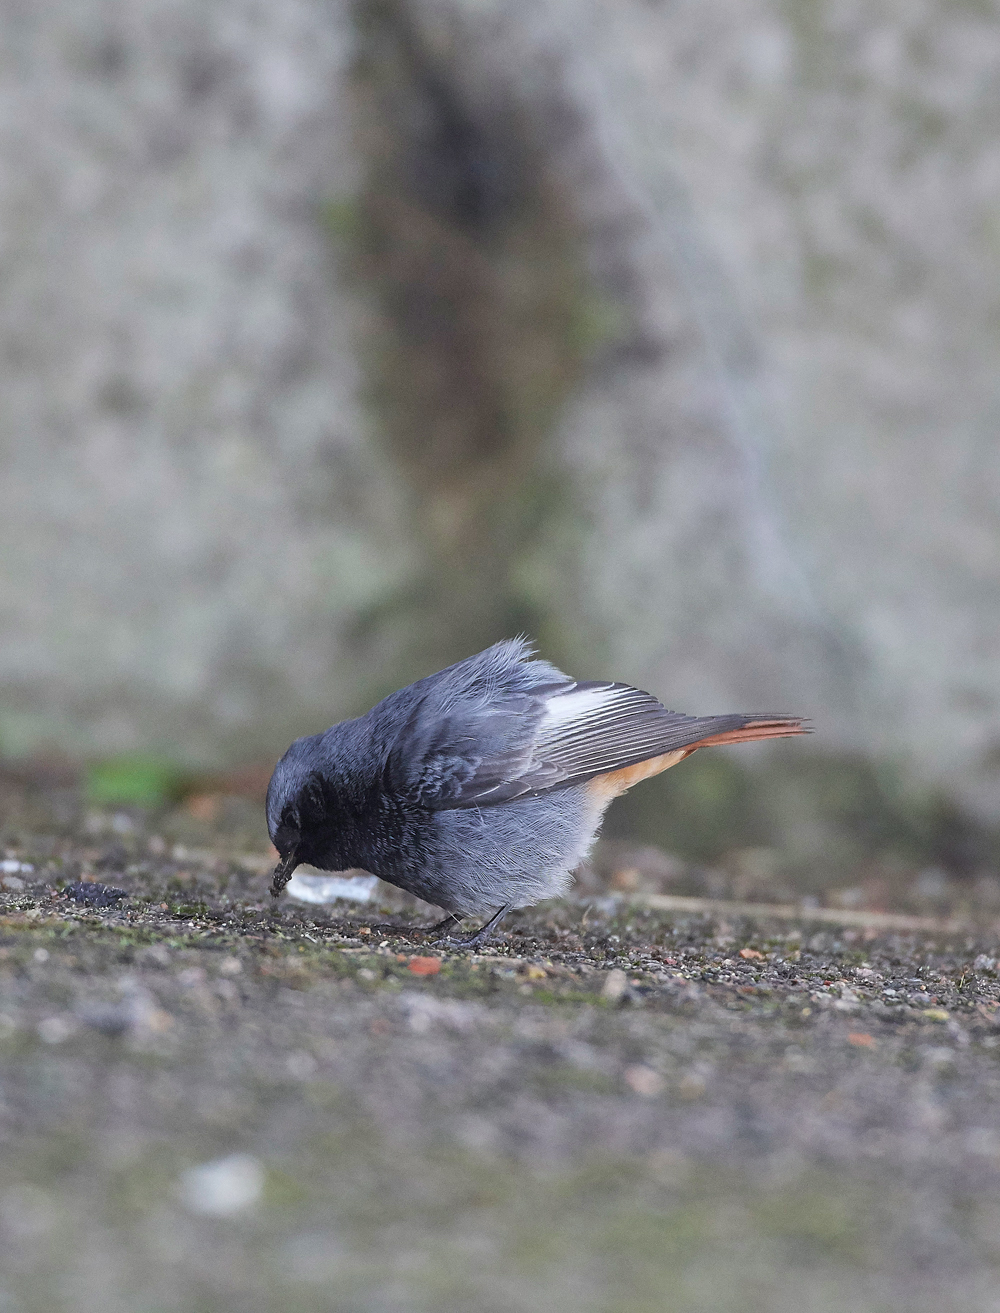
(569,733)
(457,733)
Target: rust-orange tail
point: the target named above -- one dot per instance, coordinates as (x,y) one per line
(612,784)
(780,727)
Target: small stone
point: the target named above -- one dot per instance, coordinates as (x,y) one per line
(615,986)
(643,1080)
(861,1039)
(109,1018)
(55,1030)
(424,966)
(222,1187)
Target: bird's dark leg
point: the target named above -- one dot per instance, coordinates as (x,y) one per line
(482,934)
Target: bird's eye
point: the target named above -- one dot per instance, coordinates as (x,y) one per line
(289,823)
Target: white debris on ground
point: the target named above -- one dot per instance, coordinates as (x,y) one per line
(328,888)
(11,870)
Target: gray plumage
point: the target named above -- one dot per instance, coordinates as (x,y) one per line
(480,787)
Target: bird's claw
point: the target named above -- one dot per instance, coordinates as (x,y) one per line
(478,937)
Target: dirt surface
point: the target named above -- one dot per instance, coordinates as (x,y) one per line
(210,1105)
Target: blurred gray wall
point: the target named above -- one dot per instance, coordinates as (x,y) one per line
(338,339)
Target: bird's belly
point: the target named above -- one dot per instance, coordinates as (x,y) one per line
(516,853)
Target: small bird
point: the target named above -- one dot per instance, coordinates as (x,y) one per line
(481,788)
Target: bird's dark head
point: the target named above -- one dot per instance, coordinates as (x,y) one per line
(295,809)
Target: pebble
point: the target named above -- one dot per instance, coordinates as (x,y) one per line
(55,1030)
(222,1187)
(644,1081)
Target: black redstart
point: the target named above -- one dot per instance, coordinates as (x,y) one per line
(482,787)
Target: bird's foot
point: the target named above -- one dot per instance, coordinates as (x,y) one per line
(479,937)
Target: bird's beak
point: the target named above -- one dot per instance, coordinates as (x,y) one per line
(283,872)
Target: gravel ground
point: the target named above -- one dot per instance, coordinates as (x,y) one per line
(207,1106)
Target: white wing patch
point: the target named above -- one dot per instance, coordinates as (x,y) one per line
(577,706)
(591,728)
